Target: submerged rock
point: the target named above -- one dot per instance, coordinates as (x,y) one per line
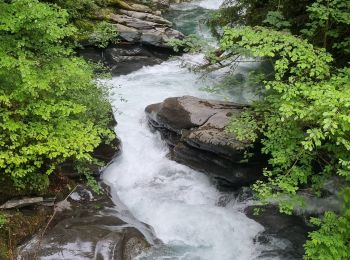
(195,130)
(86,226)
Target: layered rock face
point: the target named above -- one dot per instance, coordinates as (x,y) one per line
(195,130)
(143,34)
(144,28)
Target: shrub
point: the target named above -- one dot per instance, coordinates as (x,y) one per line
(48,100)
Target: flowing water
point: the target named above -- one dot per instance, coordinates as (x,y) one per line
(180,204)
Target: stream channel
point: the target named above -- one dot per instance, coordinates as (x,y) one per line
(180,204)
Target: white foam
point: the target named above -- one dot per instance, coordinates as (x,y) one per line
(179,203)
(211,4)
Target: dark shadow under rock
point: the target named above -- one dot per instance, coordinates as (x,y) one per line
(225,171)
(284,235)
(125,58)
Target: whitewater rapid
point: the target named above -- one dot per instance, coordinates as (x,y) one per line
(180,204)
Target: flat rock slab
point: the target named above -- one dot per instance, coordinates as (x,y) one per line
(87,226)
(180,113)
(123,59)
(195,130)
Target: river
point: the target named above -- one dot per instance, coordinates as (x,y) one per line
(180,204)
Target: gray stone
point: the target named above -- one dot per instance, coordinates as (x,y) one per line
(195,130)
(127,33)
(132,22)
(144,28)
(125,58)
(147,17)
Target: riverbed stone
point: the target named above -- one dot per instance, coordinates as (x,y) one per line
(145,28)
(195,130)
(87,226)
(147,17)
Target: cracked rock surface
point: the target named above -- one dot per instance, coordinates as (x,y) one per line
(195,130)
(145,28)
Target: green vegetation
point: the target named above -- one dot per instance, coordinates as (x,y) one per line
(103,34)
(51,109)
(90,18)
(3,220)
(305,123)
(324,23)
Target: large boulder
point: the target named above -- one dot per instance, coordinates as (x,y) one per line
(145,28)
(87,226)
(143,38)
(195,130)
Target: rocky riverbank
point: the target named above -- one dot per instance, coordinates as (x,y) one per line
(86,226)
(143,37)
(195,131)
(89,225)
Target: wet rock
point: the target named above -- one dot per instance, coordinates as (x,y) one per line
(126,58)
(147,17)
(284,235)
(143,40)
(88,227)
(161,4)
(195,130)
(226,172)
(107,151)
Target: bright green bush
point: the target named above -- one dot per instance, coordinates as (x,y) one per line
(103,34)
(77,9)
(48,99)
(305,124)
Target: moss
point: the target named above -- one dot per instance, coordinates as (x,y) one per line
(105,12)
(3,249)
(85,25)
